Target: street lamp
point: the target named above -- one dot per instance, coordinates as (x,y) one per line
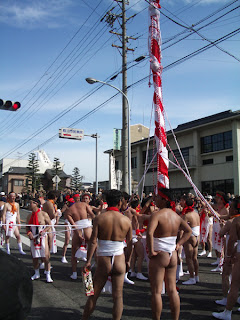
(92,81)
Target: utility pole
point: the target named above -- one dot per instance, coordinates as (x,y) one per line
(126,140)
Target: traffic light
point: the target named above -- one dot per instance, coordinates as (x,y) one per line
(9,105)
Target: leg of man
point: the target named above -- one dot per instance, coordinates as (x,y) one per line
(7,244)
(133,262)
(157,267)
(100,277)
(36,269)
(209,241)
(46,259)
(118,273)
(47,264)
(235,285)
(195,255)
(66,242)
(189,258)
(227,270)
(170,278)
(140,255)
(87,232)
(76,243)
(18,237)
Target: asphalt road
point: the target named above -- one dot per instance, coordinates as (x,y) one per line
(65,299)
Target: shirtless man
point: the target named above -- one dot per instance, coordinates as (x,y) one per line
(206,222)
(37,235)
(78,215)
(227,265)
(51,208)
(2,203)
(76,197)
(68,228)
(110,229)
(11,217)
(222,211)
(87,198)
(191,217)
(161,241)
(138,249)
(234,236)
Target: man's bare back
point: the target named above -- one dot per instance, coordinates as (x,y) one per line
(168,223)
(112,226)
(192,218)
(49,209)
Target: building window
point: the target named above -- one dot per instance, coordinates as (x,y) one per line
(211,187)
(185,153)
(229,158)
(116,165)
(151,154)
(18,183)
(216,142)
(134,162)
(207,161)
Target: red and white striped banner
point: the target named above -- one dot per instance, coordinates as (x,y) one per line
(156,67)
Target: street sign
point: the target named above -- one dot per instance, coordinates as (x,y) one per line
(70,133)
(117,139)
(56,179)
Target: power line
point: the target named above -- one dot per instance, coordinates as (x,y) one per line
(171,65)
(93,27)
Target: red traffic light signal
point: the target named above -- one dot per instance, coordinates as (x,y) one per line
(9,105)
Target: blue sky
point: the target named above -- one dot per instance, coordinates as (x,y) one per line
(50,47)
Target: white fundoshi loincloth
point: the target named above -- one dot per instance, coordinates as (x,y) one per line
(196,231)
(83,224)
(166,244)
(54,237)
(38,244)
(11,220)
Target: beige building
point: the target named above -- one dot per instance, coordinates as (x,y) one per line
(211,149)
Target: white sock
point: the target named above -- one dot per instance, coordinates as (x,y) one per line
(8,248)
(48,276)
(37,272)
(181,268)
(20,246)
(228,312)
(74,274)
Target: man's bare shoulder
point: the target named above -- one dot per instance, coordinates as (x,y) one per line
(47,204)
(44,213)
(163,212)
(236,222)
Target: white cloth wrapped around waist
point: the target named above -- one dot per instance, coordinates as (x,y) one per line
(166,244)
(196,231)
(68,223)
(108,248)
(238,246)
(84,223)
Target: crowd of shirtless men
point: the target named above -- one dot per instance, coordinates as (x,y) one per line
(121,233)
